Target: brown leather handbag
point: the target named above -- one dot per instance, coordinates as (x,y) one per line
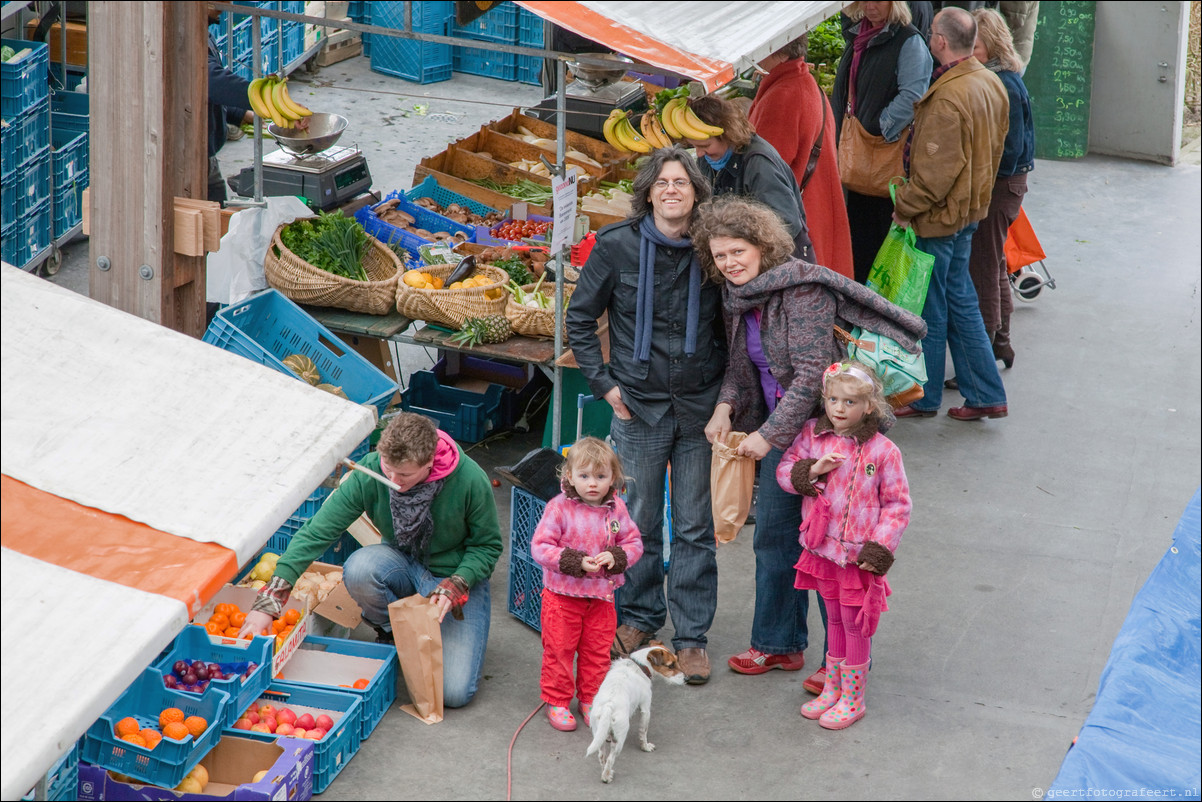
(867,162)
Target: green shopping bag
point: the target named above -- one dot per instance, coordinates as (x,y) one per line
(901,272)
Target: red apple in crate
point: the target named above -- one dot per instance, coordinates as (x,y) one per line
(270,722)
(260,728)
(284,729)
(285,716)
(297,732)
(315,735)
(243,724)
(253,715)
(266,710)
(305,722)
(324,722)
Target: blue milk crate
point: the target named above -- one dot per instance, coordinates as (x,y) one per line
(27,236)
(62,779)
(525,511)
(68,205)
(69,112)
(268,327)
(430,188)
(380,692)
(526,590)
(8,202)
(463,414)
(423,218)
(171,760)
(26,81)
(194,644)
(69,160)
(530,34)
(498,24)
(10,133)
(422,62)
(331,753)
(34,139)
(485,63)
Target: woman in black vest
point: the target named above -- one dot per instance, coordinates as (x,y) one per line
(885,69)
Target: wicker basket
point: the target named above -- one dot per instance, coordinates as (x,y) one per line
(536,322)
(452,307)
(300,281)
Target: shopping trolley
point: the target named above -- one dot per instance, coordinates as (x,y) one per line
(1024,260)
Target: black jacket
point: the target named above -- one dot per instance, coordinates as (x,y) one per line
(876,79)
(669,380)
(758,171)
(227,99)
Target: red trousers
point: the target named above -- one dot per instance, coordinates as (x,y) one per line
(580,628)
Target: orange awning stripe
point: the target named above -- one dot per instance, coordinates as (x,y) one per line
(582,20)
(111,547)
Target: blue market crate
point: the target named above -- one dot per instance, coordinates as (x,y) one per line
(486,63)
(33,184)
(24,82)
(9,135)
(8,202)
(526,590)
(525,511)
(294,41)
(69,113)
(423,218)
(530,34)
(34,137)
(318,497)
(430,188)
(70,156)
(488,236)
(63,778)
(380,692)
(335,750)
(27,236)
(498,24)
(68,205)
(422,62)
(360,11)
(268,327)
(463,414)
(519,383)
(194,644)
(171,760)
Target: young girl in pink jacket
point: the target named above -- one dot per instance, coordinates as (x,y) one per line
(584,542)
(856,505)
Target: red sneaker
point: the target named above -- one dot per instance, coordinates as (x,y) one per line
(753,661)
(816,681)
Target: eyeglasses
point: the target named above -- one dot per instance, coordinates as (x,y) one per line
(678,183)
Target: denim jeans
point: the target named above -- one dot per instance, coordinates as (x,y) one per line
(779,624)
(692,591)
(953,317)
(378,575)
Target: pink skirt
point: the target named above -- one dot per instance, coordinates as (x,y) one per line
(847,585)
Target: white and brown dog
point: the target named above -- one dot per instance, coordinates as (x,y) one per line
(625,691)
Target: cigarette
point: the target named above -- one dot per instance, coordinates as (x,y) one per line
(354,466)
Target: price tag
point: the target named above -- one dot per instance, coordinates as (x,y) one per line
(564,195)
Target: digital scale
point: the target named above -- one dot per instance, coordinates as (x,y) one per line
(327,179)
(596,89)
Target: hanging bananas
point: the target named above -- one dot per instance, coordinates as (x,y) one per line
(681,122)
(618,132)
(270,100)
(653,132)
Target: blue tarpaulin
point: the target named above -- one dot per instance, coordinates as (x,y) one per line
(1143,738)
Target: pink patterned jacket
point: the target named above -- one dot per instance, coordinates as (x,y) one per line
(868,494)
(570,530)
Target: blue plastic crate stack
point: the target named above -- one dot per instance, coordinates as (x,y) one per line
(420,62)
(238,56)
(25,164)
(507,24)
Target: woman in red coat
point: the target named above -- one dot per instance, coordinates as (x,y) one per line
(790,111)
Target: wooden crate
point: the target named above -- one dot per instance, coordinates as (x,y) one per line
(595,148)
(495,200)
(340,46)
(504,148)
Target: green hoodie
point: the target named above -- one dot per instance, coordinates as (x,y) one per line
(467,533)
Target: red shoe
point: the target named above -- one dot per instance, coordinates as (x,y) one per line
(976,413)
(910,412)
(816,681)
(753,661)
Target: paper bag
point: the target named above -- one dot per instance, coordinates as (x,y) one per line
(418,637)
(732,481)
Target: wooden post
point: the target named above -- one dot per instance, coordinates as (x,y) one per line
(148,80)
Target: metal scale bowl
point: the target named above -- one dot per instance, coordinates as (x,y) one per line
(596,89)
(309,165)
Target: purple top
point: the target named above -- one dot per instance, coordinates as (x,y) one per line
(755,351)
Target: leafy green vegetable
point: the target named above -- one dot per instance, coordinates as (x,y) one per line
(516,268)
(528,191)
(331,242)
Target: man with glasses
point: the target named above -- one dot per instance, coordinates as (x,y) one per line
(667,356)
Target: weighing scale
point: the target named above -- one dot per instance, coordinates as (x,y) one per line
(597,89)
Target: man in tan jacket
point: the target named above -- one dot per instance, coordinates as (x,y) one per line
(959,131)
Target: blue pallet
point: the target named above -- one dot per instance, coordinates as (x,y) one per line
(170,761)
(25,82)
(268,327)
(26,237)
(331,753)
(421,62)
(486,63)
(463,414)
(423,218)
(69,160)
(68,205)
(430,188)
(380,692)
(526,590)
(498,24)
(525,511)
(194,643)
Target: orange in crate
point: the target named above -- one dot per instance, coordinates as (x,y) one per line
(171,715)
(196,725)
(176,730)
(292,617)
(128,726)
(151,737)
(361,683)
(134,738)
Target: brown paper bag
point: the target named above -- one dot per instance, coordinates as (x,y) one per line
(732,482)
(418,637)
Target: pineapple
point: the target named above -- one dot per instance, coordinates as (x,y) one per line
(487,329)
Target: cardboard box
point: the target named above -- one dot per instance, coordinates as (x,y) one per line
(245,599)
(232,766)
(338,607)
(77,41)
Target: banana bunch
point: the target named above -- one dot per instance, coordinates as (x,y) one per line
(270,99)
(653,130)
(680,122)
(621,134)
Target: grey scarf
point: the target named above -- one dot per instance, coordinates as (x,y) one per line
(645,302)
(412,524)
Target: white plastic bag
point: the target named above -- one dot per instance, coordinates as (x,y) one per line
(235,272)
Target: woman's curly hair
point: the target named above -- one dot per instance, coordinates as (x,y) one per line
(737,217)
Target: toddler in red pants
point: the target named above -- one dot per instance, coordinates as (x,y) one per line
(584,542)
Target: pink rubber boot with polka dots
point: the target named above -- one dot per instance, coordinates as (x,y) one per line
(850,707)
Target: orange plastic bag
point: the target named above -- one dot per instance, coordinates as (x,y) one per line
(732,483)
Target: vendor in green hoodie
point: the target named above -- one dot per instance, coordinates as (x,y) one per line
(440,538)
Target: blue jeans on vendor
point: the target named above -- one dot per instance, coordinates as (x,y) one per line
(953,317)
(692,587)
(779,624)
(378,575)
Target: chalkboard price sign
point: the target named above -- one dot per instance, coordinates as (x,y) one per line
(1059,79)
